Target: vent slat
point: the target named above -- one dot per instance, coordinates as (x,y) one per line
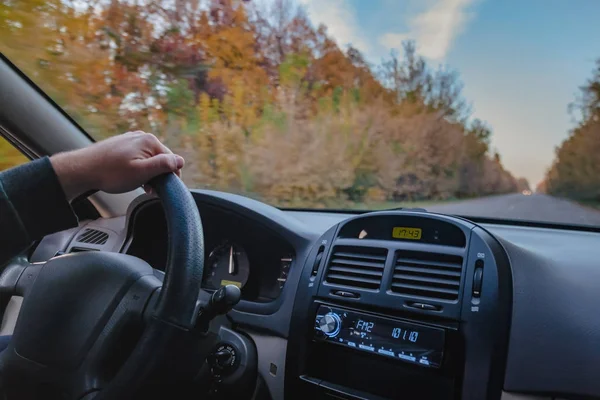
(427,275)
(353,285)
(406,261)
(354,271)
(361,256)
(86,235)
(357,263)
(97,236)
(416,278)
(356,267)
(92,236)
(425,288)
(428,271)
(353,279)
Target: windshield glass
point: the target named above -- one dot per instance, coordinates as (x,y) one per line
(476,108)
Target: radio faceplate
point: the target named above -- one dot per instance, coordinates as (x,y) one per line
(400,340)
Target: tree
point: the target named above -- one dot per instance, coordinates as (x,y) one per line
(407,78)
(588,102)
(259,99)
(575,172)
(443,92)
(411,80)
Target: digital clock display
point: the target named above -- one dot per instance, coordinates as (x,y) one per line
(401,340)
(404,232)
(361,327)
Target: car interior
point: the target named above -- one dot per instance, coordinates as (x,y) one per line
(294,303)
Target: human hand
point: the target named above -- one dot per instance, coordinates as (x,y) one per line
(115,165)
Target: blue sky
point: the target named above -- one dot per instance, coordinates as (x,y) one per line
(521,61)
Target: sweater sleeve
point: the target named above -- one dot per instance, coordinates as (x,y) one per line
(32,205)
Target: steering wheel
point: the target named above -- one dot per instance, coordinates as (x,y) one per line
(68,340)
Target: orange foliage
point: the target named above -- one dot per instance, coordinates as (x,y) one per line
(257,100)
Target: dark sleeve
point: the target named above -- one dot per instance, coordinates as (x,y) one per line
(32,204)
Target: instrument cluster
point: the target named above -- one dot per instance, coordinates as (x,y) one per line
(238,251)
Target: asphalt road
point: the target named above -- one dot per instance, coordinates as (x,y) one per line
(536,207)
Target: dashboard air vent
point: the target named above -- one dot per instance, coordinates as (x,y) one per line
(357,267)
(427,275)
(92,236)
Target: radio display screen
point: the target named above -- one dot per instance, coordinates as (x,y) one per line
(408,342)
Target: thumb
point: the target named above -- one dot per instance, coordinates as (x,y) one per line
(160,164)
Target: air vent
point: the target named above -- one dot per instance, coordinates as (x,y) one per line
(357,267)
(92,236)
(427,275)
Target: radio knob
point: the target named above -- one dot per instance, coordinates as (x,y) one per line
(330,324)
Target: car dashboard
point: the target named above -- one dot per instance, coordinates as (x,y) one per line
(386,304)
(238,252)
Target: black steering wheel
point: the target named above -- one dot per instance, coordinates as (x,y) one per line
(77,309)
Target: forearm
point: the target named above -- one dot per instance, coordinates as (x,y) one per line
(32,204)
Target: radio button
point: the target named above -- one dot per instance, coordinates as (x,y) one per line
(386,352)
(364,347)
(407,358)
(330,324)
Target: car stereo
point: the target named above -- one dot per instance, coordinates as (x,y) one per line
(404,341)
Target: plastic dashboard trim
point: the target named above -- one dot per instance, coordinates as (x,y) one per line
(272,317)
(383,295)
(552,248)
(483,376)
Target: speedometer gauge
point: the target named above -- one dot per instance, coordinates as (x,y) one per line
(227,265)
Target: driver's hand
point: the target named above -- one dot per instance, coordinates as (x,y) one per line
(115,165)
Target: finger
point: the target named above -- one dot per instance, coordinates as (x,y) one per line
(153,144)
(160,164)
(135,133)
(150,144)
(164,149)
(168,151)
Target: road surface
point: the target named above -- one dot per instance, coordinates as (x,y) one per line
(536,207)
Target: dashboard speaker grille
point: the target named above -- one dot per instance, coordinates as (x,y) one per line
(357,267)
(427,275)
(92,236)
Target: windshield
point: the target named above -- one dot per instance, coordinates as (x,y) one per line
(476,108)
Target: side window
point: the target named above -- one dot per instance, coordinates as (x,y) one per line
(9,155)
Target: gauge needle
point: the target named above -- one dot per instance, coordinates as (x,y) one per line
(231,263)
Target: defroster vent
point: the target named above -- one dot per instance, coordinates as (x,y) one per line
(427,275)
(357,267)
(92,236)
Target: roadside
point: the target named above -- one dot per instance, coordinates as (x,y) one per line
(537,207)
(384,205)
(515,206)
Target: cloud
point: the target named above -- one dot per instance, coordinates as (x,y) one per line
(341,21)
(434,29)
(393,40)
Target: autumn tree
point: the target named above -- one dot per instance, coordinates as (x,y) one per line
(408,78)
(588,102)
(411,80)
(258,99)
(575,172)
